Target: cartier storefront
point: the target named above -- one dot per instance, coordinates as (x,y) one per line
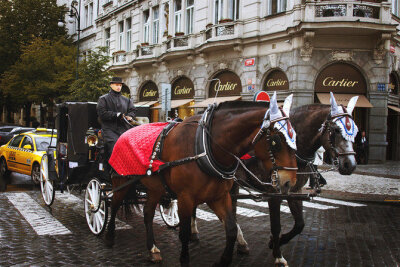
(345,81)
(148,97)
(224,86)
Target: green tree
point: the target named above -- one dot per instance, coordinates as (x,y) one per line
(43,74)
(93,78)
(23,20)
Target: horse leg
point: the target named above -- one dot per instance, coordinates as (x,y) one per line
(149,209)
(185,211)
(223,209)
(194,237)
(296,208)
(116,202)
(274,208)
(242,247)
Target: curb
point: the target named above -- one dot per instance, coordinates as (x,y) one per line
(348,196)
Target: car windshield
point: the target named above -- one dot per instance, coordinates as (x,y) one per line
(42,143)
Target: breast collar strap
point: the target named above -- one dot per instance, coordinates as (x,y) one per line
(208,163)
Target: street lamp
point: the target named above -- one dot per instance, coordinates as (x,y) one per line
(74,14)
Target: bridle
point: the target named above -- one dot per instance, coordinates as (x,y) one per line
(328,126)
(274,146)
(208,164)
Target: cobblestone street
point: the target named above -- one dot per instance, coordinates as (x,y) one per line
(337,233)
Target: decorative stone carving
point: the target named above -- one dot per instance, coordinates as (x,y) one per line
(272,60)
(222,65)
(180,72)
(306,50)
(342,55)
(380,48)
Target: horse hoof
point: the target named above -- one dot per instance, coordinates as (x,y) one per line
(155,257)
(281,262)
(243,249)
(194,237)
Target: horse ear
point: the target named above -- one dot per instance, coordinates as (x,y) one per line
(352,104)
(287,104)
(274,110)
(334,106)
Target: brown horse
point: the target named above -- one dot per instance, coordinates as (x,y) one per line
(316,125)
(226,131)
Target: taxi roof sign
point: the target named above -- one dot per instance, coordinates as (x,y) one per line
(261,96)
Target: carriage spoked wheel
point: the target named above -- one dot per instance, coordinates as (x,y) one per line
(46,184)
(169,213)
(96,211)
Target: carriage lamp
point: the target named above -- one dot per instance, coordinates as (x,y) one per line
(92,140)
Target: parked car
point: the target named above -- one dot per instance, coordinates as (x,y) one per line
(8,132)
(24,152)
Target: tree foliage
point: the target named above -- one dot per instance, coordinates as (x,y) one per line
(43,73)
(23,20)
(93,79)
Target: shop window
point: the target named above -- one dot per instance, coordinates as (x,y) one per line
(189,16)
(178,15)
(146,26)
(121,35)
(276,6)
(128,34)
(156,24)
(107,38)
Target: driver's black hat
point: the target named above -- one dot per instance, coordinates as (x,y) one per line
(116,80)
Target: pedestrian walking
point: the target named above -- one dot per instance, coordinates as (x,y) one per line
(316,176)
(362,148)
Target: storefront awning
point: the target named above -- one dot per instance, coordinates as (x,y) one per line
(145,104)
(394,108)
(177,103)
(204,104)
(343,99)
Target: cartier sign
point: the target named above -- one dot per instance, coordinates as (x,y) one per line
(149,92)
(229,84)
(275,81)
(341,78)
(182,88)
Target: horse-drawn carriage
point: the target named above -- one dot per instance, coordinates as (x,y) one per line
(78,161)
(199,158)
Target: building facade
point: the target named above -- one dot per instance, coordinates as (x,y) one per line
(218,50)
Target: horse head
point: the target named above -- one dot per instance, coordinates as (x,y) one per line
(277,150)
(339,133)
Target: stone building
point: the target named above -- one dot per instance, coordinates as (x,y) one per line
(218,50)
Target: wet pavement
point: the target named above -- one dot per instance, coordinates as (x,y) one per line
(336,233)
(375,182)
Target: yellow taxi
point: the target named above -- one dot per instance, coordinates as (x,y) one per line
(24,152)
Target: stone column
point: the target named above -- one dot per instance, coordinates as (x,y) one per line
(377,127)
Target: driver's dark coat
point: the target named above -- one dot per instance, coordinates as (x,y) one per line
(108,107)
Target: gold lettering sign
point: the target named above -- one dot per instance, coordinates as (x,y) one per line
(182,91)
(330,81)
(228,86)
(277,82)
(149,92)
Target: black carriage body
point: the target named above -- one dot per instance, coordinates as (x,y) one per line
(74,119)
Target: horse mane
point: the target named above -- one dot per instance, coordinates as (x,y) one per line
(241,105)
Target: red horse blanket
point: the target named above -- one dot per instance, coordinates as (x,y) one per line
(132,152)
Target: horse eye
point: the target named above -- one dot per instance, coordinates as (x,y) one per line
(337,130)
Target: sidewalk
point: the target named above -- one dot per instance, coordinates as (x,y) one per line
(375,182)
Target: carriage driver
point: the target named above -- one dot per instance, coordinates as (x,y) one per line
(112,108)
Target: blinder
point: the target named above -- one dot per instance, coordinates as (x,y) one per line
(275,143)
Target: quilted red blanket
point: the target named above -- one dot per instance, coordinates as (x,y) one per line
(132,152)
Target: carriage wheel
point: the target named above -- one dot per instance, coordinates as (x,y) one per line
(46,184)
(95,207)
(169,213)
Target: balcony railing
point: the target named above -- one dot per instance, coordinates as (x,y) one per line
(223,29)
(348,11)
(119,57)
